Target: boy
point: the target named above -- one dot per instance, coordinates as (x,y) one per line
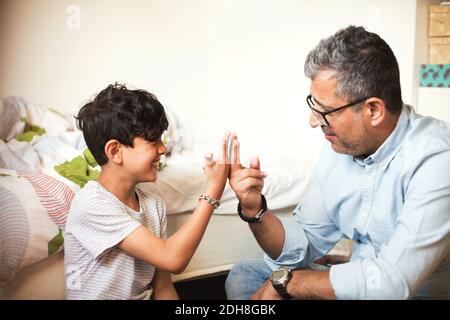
(115,241)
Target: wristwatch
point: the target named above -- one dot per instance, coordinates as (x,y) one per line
(258,216)
(279,279)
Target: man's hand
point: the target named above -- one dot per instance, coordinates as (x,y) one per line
(304,284)
(266,292)
(247,183)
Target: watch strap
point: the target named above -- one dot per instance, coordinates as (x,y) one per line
(258,216)
(282,292)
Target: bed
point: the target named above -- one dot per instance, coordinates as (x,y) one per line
(44,162)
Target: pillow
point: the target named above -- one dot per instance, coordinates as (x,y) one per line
(22,120)
(173,136)
(33,212)
(80,169)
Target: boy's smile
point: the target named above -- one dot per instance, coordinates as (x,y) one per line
(141,161)
(155,163)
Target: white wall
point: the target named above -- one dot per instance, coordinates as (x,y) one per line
(218,64)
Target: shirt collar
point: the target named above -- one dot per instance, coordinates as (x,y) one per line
(386,152)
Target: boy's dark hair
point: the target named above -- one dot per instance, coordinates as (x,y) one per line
(121,114)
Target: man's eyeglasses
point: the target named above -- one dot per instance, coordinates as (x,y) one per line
(321,116)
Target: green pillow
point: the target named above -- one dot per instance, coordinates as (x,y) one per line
(29,132)
(79,169)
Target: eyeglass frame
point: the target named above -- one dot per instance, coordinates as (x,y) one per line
(323,114)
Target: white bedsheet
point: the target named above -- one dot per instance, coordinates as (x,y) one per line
(182,180)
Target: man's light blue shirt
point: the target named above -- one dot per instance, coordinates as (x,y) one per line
(394,204)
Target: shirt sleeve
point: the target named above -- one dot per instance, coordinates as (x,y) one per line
(310,234)
(420,242)
(101,224)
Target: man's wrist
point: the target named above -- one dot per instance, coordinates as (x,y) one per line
(310,284)
(251,211)
(293,283)
(256,218)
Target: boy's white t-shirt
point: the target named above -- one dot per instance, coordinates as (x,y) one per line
(97,222)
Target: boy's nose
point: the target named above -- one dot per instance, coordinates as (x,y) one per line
(162,149)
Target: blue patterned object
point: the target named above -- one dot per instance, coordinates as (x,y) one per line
(435,75)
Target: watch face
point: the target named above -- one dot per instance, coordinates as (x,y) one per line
(279,275)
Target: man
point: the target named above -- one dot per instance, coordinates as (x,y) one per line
(383,180)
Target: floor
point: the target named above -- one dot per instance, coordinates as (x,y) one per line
(210,288)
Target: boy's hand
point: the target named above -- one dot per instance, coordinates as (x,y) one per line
(217,172)
(247,183)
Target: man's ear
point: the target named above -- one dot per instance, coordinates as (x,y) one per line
(113,150)
(376,110)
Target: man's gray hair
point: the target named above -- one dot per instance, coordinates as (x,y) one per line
(363,64)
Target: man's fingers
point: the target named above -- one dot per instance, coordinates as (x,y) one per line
(258,295)
(250,173)
(249,183)
(254,163)
(236,157)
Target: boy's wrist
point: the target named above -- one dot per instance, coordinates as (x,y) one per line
(213,192)
(212,201)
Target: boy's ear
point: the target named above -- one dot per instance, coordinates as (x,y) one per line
(113,150)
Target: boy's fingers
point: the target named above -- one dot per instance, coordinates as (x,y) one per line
(230,147)
(208,158)
(223,153)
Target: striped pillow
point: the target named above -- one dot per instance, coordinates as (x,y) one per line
(33,212)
